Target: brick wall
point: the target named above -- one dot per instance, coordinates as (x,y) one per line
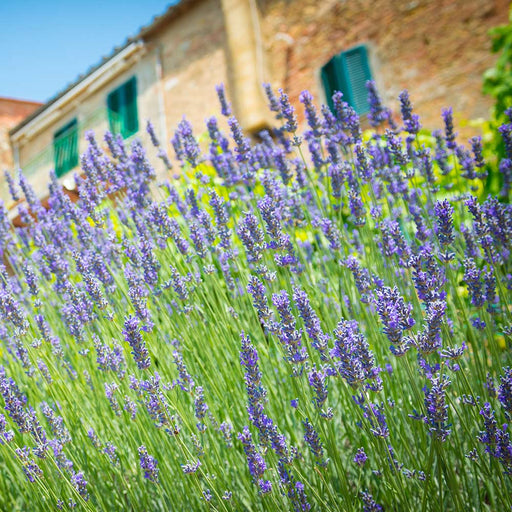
(438,49)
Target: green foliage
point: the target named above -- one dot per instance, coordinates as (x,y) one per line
(497,82)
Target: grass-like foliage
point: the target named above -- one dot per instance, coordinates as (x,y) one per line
(314,322)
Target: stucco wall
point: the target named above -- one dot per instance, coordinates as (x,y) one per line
(90,111)
(194,60)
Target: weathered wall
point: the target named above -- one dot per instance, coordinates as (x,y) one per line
(438,49)
(194,60)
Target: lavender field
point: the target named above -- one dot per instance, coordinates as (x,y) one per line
(313,321)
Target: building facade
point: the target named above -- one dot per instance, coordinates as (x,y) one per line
(438,49)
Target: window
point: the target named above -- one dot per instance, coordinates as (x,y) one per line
(348,73)
(65,148)
(122,109)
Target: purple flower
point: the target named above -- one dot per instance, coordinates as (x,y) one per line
(265,486)
(393,242)
(185,381)
(450,136)
(191,467)
(249,360)
(360,457)
(313,441)
(13,189)
(474,284)
(252,237)
(437,408)
(506,134)
(255,461)
(56,424)
(221,219)
(505,390)
(331,232)
(256,289)
(311,321)
(361,276)
(497,441)
(133,337)
(110,389)
(201,408)
(356,207)
(311,114)
(80,484)
(476,147)
(395,148)
(505,169)
(444,212)
(225,106)
(395,316)
(148,464)
(429,340)
(353,359)
(317,380)
(411,121)
(6,436)
(273,101)
(378,113)
(110,450)
(243,147)
(179,284)
(286,330)
(15,402)
(30,468)
(186,144)
(151,131)
(369,504)
(288,112)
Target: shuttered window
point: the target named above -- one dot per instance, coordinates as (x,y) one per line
(348,73)
(65,148)
(122,109)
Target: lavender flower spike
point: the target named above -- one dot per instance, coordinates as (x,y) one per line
(225,106)
(133,336)
(148,464)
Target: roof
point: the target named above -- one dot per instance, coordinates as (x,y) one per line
(18,100)
(145,31)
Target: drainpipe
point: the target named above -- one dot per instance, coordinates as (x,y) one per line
(246,63)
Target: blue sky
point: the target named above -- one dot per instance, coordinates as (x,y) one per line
(46,44)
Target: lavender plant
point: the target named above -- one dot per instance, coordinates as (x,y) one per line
(307,322)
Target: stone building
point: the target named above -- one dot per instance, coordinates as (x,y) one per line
(438,49)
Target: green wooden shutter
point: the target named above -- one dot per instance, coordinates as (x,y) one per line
(334,79)
(328,75)
(348,73)
(65,148)
(357,71)
(131,120)
(113,106)
(122,109)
